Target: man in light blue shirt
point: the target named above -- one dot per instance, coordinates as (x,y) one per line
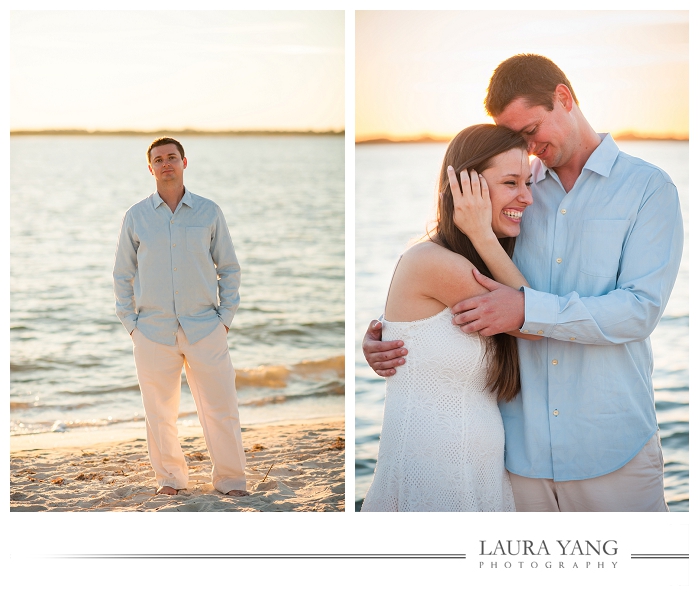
(176,280)
(600,247)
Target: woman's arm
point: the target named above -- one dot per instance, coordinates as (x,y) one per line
(473,215)
(430,278)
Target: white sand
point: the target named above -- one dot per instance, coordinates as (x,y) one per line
(109,470)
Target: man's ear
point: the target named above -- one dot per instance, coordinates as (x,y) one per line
(150,169)
(564,96)
(184,163)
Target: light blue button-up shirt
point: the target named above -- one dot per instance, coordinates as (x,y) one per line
(175,269)
(603,259)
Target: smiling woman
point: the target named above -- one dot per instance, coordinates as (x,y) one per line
(502,187)
(443,401)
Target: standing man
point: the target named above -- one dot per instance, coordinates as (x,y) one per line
(176,280)
(601,247)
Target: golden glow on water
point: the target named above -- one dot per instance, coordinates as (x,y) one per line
(425,73)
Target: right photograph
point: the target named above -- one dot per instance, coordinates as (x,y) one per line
(521,260)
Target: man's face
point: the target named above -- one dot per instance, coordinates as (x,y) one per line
(549,134)
(166,164)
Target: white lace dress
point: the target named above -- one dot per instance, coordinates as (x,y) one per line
(442,442)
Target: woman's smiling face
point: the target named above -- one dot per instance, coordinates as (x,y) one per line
(509,179)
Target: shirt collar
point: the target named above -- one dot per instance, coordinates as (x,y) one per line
(600,161)
(187,199)
(603,157)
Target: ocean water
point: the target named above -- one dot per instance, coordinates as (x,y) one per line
(395,192)
(71,358)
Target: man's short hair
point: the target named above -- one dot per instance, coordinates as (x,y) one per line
(165,141)
(527,76)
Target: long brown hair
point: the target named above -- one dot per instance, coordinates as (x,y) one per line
(474,149)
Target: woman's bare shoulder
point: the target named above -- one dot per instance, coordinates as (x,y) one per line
(428,278)
(429,255)
(439,273)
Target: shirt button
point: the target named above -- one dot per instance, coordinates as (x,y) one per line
(175,269)
(177,292)
(174,245)
(525,331)
(555,412)
(540,332)
(572,338)
(563,211)
(554,362)
(559,260)
(172,221)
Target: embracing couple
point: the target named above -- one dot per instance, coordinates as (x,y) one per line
(519,375)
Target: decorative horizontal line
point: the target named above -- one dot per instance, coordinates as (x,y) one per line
(660,556)
(262,556)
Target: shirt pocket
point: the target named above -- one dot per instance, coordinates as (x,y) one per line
(602,242)
(198,239)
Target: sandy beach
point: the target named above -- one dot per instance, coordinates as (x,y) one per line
(110,471)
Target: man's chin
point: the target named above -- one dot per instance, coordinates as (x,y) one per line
(549,161)
(552,159)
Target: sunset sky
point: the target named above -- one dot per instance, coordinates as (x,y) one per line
(426,72)
(145,70)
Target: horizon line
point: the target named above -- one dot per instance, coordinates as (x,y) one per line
(168,132)
(620,136)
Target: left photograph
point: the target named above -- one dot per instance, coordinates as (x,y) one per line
(177,261)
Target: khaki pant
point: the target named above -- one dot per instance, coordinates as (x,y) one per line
(211,379)
(635,487)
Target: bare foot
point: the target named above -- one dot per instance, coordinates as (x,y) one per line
(166,490)
(238,493)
